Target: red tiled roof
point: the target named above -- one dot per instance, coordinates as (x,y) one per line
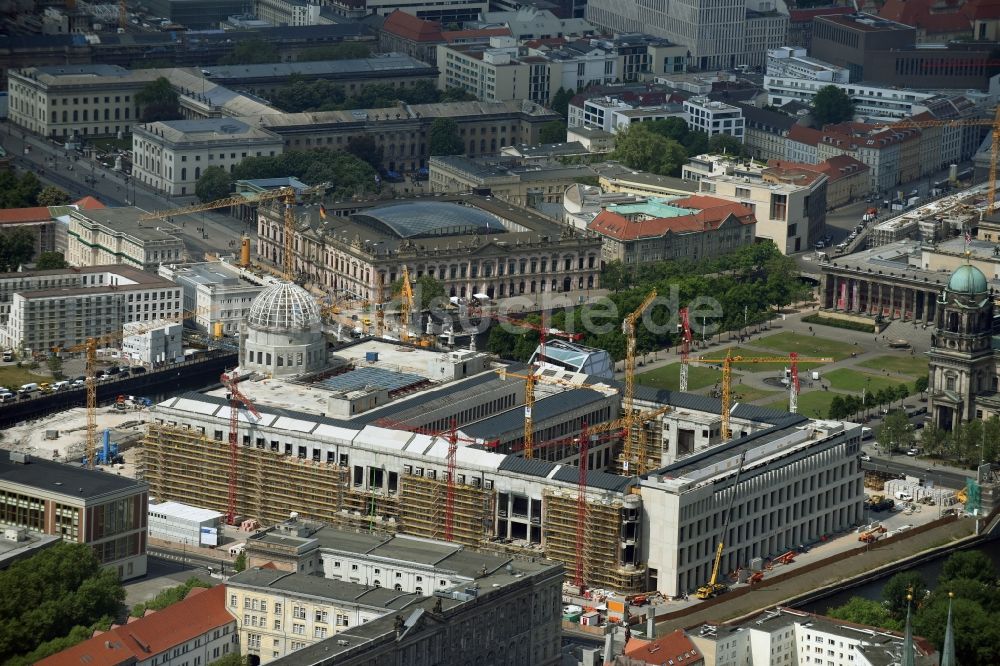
(36,214)
(89,203)
(674,648)
(983,10)
(803,134)
(452,36)
(410,27)
(707,213)
(932,16)
(202,611)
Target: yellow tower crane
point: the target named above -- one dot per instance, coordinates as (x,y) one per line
(628,328)
(405,306)
(792,359)
(288,195)
(993,123)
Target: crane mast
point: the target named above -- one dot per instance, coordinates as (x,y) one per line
(714,587)
(236,398)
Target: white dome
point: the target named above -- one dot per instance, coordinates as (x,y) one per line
(284,306)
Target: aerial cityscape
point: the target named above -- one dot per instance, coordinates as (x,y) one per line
(500,332)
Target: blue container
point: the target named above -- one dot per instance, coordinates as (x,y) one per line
(371,357)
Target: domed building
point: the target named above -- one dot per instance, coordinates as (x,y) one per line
(962,378)
(283,334)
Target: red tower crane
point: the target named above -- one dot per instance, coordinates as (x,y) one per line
(236,397)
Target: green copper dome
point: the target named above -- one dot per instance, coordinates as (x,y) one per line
(967,279)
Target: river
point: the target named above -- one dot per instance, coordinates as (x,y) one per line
(873,589)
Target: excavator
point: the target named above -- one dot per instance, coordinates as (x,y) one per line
(714,586)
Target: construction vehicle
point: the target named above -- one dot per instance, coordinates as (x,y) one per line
(872,535)
(792,359)
(962,496)
(785,558)
(714,586)
(756,577)
(107,454)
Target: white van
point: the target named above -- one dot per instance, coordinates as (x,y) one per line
(28,388)
(60,386)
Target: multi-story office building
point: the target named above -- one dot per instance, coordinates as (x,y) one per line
(402,132)
(612,113)
(765,132)
(219,294)
(712,117)
(171,155)
(789,203)
(893,155)
(505,71)
(516,180)
(877,49)
(288,12)
(41,310)
(104,511)
(325,582)
(117,236)
(671,229)
(471,244)
(792,62)
(196,14)
(719,34)
(873,102)
(530,22)
(155,343)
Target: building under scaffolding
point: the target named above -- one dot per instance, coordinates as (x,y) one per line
(639,534)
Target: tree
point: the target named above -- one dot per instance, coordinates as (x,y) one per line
(445,139)
(365,149)
(48,261)
(240,563)
(553,131)
(231,659)
(837,408)
(157,100)
(639,148)
(169,596)
(19,191)
(729,145)
(933,439)
(920,386)
(16,248)
(251,52)
(970,564)
(615,276)
(832,105)
(214,183)
(864,611)
(561,100)
(895,431)
(45,596)
(341,51)
(895,591)
(348,176)
(52,196)
(425,291)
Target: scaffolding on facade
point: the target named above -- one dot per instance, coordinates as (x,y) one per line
(602,563)
(424,508)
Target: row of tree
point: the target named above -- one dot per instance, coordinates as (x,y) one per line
(971,576)
(323,95)
(347,174)
(745,286)
(847,406)
(45,596)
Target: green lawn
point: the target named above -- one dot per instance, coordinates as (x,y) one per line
(806,345)
(669,377)
(768,368)
(12,376)
(845,379)
(814,404)
(751,393)
(915,366)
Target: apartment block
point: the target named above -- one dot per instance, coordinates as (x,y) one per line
(41,310)
(117,236)
(766,132)
(712,117)
(104,511)
(171,155)
(309,585)
(789,204)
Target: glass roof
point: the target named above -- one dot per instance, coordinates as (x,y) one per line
(422,219)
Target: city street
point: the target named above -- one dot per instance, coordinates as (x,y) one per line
(81,177)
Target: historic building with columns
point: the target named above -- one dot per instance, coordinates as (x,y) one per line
(962,360)
(472,244)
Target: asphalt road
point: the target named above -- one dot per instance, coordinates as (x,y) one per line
(80,177)
(899,466)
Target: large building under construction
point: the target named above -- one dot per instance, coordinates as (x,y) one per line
(348,446)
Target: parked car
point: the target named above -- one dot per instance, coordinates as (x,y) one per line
(913,452)
(865,457)
(8,356)
(138,370)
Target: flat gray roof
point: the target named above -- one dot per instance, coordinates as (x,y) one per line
(126,221)
(324,588)
(64,479)
(390,63)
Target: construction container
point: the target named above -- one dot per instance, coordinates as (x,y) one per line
(616,606)
(217,330)
(371,356)
(591,619)
(572,617)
